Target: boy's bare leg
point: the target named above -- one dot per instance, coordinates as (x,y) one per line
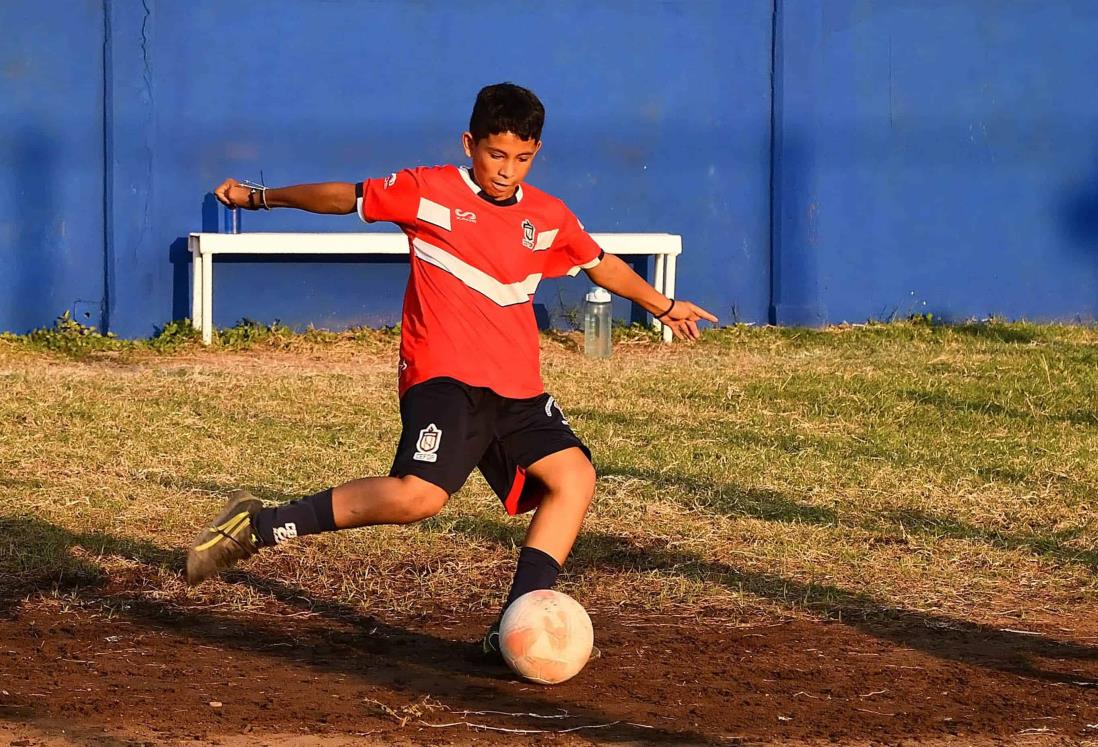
(245,525)
(385,500)
(569,480)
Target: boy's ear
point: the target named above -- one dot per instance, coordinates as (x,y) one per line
(468,142)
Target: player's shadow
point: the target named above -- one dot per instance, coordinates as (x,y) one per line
(347,642)
(939,636)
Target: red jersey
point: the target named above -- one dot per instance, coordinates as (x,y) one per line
(468,309)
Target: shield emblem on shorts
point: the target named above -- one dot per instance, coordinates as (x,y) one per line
(429,440)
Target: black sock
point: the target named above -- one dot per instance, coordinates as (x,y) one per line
(536,569)
(309,515)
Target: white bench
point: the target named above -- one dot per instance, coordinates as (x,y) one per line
(665,247)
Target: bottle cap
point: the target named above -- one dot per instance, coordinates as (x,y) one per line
(597,295)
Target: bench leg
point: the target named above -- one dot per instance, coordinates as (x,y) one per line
(669,290)
(196,283)
(660,263)
(207,300)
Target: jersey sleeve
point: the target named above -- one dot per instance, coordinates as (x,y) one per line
(572,251)
(394,198)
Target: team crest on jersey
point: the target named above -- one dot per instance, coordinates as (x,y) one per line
(390,180)
(528,234)
(430,438)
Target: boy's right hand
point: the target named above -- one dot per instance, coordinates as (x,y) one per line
(683,318)
(232,194)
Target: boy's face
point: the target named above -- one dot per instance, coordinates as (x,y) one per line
(500,161)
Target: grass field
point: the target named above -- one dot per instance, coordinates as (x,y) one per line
(760,476)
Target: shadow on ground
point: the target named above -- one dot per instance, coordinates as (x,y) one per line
(369,648)
(940,636)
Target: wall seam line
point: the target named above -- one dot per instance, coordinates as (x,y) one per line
(774,206)
(108,169)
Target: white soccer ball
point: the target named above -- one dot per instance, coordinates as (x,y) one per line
(546,636)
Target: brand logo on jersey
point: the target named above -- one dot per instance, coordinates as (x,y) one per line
(390,180)
(427,446)
(466,215)
(528,234)
(285,532)
(402,366)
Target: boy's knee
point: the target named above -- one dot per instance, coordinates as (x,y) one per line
(566,476)
(585,478)
(420,499)
(577,483)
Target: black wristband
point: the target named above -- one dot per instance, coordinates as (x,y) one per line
(256,189)
(660,316)
(262,192)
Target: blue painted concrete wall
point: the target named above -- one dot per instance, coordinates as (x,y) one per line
(938,157)
(824,161)
(655,123)
(51,163)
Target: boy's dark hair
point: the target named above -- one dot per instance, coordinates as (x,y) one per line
(505,107)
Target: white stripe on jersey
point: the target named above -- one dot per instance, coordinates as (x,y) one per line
(504,294)
(546,239)
(433,213)
(575,270)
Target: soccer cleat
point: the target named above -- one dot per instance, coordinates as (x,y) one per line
(489,646)
(228,539)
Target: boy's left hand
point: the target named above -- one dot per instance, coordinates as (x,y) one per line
(683,319)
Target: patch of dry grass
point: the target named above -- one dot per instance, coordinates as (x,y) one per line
(949,470)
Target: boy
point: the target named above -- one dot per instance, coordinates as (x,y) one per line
(470,384)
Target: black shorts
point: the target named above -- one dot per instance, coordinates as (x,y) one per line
(450,427)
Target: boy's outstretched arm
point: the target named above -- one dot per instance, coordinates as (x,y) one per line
(332,198)
(618,277)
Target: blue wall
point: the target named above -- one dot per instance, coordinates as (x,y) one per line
(51,164)
(823,160)
(943,157)
(636,139)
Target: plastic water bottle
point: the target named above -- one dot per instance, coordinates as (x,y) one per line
(596,323)
(232,220)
